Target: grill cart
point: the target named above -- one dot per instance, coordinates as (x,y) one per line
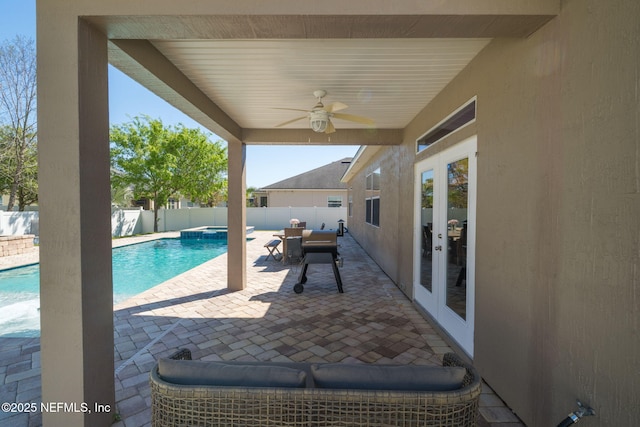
(319,247)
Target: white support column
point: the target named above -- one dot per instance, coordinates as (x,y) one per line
(76,296)
(237,218)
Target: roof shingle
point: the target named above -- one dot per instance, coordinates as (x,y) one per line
(323,178)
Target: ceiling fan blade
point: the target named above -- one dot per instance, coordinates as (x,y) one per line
(330,128)
(291,121)
(352,118)
(335,106)
(290,109)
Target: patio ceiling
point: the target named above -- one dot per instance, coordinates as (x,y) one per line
(231,73)
(389,80)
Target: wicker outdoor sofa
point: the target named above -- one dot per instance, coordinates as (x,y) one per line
(299,394)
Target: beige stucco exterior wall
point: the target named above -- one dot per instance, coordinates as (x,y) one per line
(304,198)
(76,292)
(558,236)
(382,242)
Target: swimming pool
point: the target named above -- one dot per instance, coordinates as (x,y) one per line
(136,268)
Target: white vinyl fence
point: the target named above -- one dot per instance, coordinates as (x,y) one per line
(260,218)
(127,222)
(18,223)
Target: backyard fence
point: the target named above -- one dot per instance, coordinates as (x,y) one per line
(127,222)
(18,223)
(260,218)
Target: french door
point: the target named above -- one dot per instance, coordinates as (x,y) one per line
(444,239)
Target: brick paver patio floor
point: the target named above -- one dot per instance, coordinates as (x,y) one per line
(371,322)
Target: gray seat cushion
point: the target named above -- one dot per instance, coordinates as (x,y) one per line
(194,372)
(386,377)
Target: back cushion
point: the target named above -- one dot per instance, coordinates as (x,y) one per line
(385,377)
(193,372)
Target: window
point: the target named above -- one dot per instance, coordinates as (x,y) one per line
(463,116)
(263,201)
(334,201)
(372,198)
(350,205)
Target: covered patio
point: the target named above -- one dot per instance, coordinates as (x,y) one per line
(230,66)
(371,322)
(552,149)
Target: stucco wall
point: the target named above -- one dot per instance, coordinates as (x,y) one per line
(380,242)
(558,250)
(302,198)
(559,150)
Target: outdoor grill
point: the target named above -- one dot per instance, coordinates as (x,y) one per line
(319,247)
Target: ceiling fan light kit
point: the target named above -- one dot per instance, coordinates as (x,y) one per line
(319,120)
(320,116)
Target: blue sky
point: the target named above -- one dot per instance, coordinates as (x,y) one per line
(127,99)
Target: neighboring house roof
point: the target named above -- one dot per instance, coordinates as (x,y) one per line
(325,177)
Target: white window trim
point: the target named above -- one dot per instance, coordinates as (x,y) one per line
(463,106)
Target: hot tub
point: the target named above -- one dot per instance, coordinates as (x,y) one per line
(208,232)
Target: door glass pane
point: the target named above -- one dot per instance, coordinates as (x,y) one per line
(426,222)
(457,210)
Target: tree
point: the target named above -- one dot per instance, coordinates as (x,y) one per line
(250,197)
(161,162)
(18,140)
(202,169)
(458,185)
(121,197)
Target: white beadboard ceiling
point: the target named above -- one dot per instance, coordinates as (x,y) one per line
(387,80)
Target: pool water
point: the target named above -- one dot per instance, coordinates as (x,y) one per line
(136,268)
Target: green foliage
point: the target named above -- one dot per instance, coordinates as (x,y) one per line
(18,167)
(5,147)
(18,140)
(458,184)
(121,196)
(250,197)
(427,194)
(160,162)
(201,171)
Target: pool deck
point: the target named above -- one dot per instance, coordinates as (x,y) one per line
(371,322)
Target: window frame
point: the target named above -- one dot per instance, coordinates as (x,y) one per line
(448,125)
(372,197)
(329,205)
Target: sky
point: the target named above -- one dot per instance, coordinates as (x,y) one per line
(127,99)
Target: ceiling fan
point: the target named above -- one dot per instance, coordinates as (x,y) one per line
(320,116)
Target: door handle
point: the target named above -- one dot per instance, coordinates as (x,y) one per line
(438,248)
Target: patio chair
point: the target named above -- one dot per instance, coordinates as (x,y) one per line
(294,249)
(287,254)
